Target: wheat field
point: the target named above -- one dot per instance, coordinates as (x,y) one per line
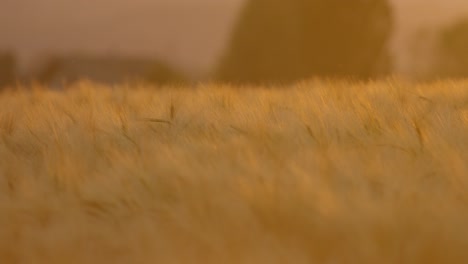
(317,172)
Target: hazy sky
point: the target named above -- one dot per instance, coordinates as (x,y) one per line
(190,34)
(416,20)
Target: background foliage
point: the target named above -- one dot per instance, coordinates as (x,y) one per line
(279,40)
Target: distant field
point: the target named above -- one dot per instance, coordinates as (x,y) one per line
(319,172)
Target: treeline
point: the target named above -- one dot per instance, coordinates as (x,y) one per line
(7,69)
(277,41)
(284,41)
(57,71)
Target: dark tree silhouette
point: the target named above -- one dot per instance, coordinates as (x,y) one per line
(452,58)
(7,69)
(282,41)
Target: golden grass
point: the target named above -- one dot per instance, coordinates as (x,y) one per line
(319,172)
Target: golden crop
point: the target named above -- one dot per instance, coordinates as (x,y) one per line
(318,172)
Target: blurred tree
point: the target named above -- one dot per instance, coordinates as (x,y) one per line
(453,51)
(162,74)
(7,69)
(282,41)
